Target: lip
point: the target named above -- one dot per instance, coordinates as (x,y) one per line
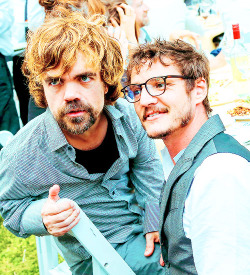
(151,116)
(75,113)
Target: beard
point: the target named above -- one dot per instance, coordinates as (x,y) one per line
(76,125)
(163,133)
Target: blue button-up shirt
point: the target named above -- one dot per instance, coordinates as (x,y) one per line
(122,202)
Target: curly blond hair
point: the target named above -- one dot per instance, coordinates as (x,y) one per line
(57,42)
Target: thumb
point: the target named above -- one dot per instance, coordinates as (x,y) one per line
(53,193)
(150,246)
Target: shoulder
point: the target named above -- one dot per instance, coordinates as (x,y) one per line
(223,164)
(222,179)
(220,173)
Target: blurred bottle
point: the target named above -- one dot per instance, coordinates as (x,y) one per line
(240,64)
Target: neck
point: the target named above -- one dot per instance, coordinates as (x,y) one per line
(181,138)
(92,138)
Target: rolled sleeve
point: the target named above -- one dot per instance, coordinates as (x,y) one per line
(32,223)
(151,220)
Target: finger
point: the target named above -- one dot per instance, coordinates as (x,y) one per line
(127,10)
(64,230)
(150,246)
(61,220)
(161,261)
(114,23)
(53,192)
(51,208)
(120,12)
(61,217)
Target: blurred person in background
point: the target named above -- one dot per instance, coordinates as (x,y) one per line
(170,20)
(142,19)
(8,113)
(19,30)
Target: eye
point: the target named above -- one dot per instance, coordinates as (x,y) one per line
(136,90)
(54,82)
(85,78)
(157,83)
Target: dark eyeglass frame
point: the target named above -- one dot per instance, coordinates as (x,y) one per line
(145,84)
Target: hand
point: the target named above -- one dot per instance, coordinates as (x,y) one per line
(151,239)
(161,261)
(182,34)
(59,215)
(127,21)
(120,36)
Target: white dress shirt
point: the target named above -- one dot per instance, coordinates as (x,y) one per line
(217,215)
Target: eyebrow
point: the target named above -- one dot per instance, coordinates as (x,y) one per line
(49,78)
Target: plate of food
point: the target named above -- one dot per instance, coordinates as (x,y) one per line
(241,111)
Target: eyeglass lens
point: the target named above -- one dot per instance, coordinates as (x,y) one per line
(155,86)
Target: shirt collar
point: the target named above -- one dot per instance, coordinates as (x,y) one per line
(112,112)
(55,136)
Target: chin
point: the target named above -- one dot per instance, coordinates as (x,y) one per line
(154,134)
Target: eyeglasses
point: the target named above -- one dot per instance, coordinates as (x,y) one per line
(155,86)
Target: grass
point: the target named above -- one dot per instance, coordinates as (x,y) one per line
(17,256)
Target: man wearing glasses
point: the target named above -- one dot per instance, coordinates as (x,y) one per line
(205,206)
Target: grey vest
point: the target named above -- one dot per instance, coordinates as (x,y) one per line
(176,247)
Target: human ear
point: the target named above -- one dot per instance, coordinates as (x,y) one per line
(200,89)
(106,89)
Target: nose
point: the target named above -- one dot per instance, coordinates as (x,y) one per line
(71,91)
(146,99)
(146,8)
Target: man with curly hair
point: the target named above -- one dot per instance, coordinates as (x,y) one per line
(89,147)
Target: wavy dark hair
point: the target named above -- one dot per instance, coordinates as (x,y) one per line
(188,60)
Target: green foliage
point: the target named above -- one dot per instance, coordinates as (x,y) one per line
(17,256)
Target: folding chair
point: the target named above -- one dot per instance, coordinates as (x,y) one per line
(105,259)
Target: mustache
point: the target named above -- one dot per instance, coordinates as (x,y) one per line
(74,106)
(155,110)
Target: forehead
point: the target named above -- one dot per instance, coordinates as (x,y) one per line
(155,69)
(81,65)
(137,3)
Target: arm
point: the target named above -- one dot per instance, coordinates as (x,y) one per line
(186,35)
(217,213)
(24,214)
(127,18)
(147,177)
